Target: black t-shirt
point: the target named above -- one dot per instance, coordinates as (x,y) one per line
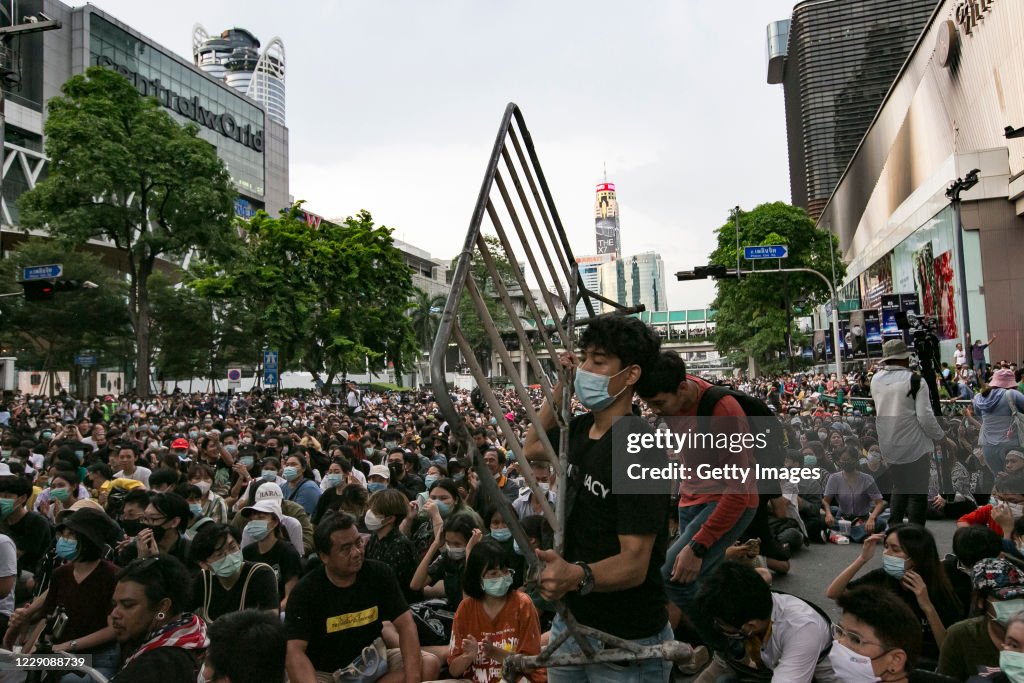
(329,500)
(396,551)
(261,593)
(281,557)
(161,665)
(443,568)
(337,623)
(32,536)
(597,516)
(948,614)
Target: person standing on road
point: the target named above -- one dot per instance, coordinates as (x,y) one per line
(995,404)
(907,431)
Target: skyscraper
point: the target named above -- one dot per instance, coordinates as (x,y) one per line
(836,60)
(606,220)
(635,280)
(590,272)
(235,57)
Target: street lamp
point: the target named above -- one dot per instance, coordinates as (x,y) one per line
(953,192)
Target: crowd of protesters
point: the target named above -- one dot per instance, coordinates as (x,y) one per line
(343,536)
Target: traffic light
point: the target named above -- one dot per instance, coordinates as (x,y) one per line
(704,272)
(43,290)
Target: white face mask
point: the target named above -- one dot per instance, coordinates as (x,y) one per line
(373,522)
(203,486)
(849,666)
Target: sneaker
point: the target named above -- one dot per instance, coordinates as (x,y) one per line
(826,536)
(698,660)
(842,540)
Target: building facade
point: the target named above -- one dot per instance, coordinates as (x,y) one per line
(946,115)
(635,280)
(836,60)
(428,274)
(253,146)
(590,273)
(606,220)
(234,56)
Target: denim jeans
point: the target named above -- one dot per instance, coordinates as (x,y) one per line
(690,520)
(104,659)
(644,671)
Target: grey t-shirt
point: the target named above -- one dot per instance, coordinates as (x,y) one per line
(8,567)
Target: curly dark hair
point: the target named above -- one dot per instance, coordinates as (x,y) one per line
(626,338)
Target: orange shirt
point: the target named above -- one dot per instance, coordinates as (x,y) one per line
(516,629)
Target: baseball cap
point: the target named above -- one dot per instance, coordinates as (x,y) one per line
(381,471)
(179,443)
(268,499)
(998,577)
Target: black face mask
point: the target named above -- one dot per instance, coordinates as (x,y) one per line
(158,531)
(132,527)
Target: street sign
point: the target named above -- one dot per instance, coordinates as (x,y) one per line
(270,360)
(85,360)
(234,375)
(270,377)
(50,272)
(768,252)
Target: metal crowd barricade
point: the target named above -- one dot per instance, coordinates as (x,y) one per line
(516,205)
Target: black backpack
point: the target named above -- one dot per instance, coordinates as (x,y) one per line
(771,456)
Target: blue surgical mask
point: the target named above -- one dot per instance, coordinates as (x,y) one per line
(894,566)
(227,565)
(515,547)
(196,509)
(246,461)
(810,460)
(269,475)
(333,480)
(258,529)
(1007,609)
(375,486)
(502,534)
(291,473)
(499,586)
(67,548)
(443,507)
(1012,664)
(592,389)
(430,479)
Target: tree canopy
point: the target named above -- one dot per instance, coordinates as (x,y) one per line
(752,318)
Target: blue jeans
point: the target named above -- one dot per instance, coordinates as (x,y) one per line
(644,671)
(104,659)
(995,455)
(691,519)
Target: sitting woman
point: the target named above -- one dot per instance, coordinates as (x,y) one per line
(443,501)
(1011,656)
(387,544)
(492,622)
(159,643)
(227,583)
(857,499)
(272,547)
(911,569)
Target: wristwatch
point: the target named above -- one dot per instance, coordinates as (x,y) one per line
(698,548)
(587,582)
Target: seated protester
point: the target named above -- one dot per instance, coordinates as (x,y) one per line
(911,570)
(805,495)
(963,496)
(8,579)
(493,621)
(164,480)
(524,504)
(445,559)
(298,530)
(29,530)
(126,459)
(84,587)
(245,471)
(501,534)
(163,531)
(132,517)
(65,490)
(761,633)
(269,471)
(100,480)
(541,537)
(271,546)
(877,639)
(219,461)
(299,485)
(200,475)
(1006,506)
(443,502)
(856,499)
(494,459)
(970,545)
(334,484)
(52,560)
(353,500)
(227,583)
(160,643)
(974,643)
(387,544)
(193,496)
(233,640)
(1011,656)
(339,609)
(399,476)
(1014,461)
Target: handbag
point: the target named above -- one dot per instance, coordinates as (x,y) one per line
(369,666)
(1017,420)
(203,611)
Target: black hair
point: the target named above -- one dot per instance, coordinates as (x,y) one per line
(161,576)
(163,476)
(626,338)
(339,521)
(102,469)
(87,550)
(487,554)
(138,497)
(663,376)
(233,639)
(128,446)
(736,594)
(889,617)
(919,545)
(171,505)
(210,539)
(1011,482)
(68,475)
(973,543)
(16,485)
(452,488)
(188,491)
(461,523)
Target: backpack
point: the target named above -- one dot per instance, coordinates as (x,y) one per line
(771,456)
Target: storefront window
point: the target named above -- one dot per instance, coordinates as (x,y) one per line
(925,263)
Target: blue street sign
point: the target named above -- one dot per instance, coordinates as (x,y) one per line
(270,360)
(85,360)
(270,377)
(49,272)
(757,253)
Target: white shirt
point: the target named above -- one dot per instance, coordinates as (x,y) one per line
(907,429)
(959,357)
(141,474)
(523,505)
(798,638)
(8,567)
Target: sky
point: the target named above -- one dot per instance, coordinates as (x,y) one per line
(393,105)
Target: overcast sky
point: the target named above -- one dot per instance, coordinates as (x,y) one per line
(393,107)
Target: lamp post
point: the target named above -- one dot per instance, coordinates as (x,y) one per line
(953,192)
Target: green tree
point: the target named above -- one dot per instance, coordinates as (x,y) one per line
(124,172)
(425,316)
(331,300)
(753,319)
(184,333)
(48,334)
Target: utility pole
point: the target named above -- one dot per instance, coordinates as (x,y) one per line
(959,186)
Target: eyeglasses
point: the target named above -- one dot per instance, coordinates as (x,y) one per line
(840,633)
(225,550)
